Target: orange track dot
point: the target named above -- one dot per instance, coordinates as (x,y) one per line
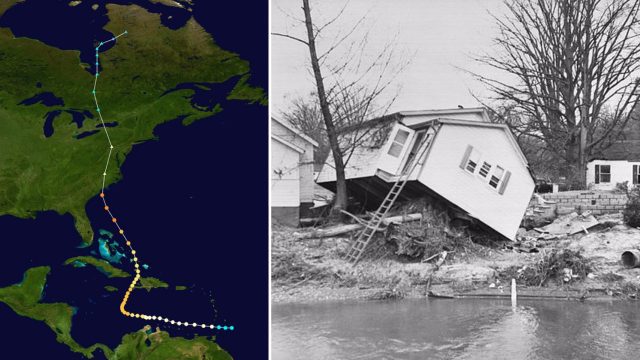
(114,219)
(106,208)
(101,195)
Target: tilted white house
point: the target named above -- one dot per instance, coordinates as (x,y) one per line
(292,184)
(472,164)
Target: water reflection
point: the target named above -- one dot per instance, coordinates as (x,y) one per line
(463,329)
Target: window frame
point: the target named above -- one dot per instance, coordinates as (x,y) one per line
(395,142)
(493,174)
(599,173)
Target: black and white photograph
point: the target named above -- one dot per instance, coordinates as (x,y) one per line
(454,179)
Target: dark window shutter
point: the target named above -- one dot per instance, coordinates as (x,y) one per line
(635,174)
(597,174)
(505,181)
(465,158)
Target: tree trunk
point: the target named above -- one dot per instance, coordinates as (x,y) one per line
(340,202)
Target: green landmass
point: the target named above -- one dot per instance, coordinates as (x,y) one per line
(160,345)
(146,283)
(24,299)
(110,288)
(180,287)
(244,91)
(61,173)
(150,283)
(104,266)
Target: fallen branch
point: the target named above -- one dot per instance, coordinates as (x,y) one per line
(344,229)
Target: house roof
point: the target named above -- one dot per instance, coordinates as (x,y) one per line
(444,112)
(287,143)
(397,116)
(295,131)
(504,127)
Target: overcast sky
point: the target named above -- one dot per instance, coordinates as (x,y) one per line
(439,35)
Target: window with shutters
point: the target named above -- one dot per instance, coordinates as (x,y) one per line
(472,162)
(603,174)
(494,181)
(498,179)
(398,143)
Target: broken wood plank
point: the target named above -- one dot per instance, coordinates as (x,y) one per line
(344,229)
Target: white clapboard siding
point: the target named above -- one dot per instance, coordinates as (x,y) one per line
(443,174)
(305,165)
(285,177)
(363,163)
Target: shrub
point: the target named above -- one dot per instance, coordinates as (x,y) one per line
(631,212)
(550,268)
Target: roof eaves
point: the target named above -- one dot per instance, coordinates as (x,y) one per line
(287,143)
(296,131)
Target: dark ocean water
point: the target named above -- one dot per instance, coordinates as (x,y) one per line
(194,203)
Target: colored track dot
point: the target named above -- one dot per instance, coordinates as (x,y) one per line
(224,328)
(231,327)
(114,219)
(128,243)
(218,327)
(101,194)
(121,231)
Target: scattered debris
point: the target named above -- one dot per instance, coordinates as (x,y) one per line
(568,225)
(568,263)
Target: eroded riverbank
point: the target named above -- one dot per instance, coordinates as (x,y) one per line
(313,270)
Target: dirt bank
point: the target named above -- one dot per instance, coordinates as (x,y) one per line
(314,269)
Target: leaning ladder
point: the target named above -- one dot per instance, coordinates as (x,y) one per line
(370,228)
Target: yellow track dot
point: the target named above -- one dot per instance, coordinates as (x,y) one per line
(128,243)
(121,231)
(133,252)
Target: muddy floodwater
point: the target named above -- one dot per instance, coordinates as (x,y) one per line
(456,329)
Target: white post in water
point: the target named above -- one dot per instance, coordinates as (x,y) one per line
(514,296)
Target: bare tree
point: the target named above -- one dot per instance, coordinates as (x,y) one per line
(571,60)
(304,114)
(349,87)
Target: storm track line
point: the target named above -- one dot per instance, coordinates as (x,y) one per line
(136,265)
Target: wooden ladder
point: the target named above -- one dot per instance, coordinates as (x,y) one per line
(365,236)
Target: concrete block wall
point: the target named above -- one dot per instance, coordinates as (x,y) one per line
(598,202)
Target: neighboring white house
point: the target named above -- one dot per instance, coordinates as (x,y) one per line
(292,185)
(473,164)
(605,174)
(618,162)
